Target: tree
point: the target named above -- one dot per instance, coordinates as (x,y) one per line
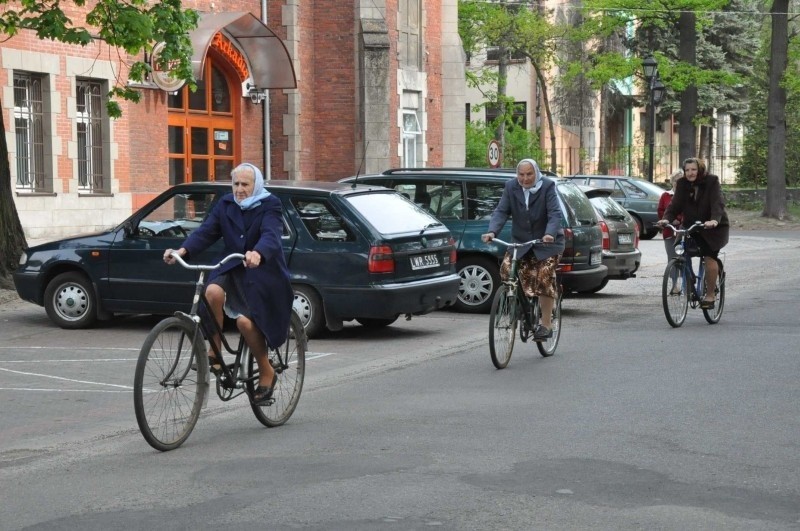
(131,26)
(517,29)
(775,204)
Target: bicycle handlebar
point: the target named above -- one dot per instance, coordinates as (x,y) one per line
(512,245)
(179,259)
(690,229)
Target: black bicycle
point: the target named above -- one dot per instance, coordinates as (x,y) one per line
(511,307)
(682,287)
(172,375)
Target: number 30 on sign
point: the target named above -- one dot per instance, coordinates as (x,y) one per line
(493,154)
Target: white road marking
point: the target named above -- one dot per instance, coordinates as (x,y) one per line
(64,379)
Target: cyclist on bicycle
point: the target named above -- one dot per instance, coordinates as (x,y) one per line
(532,203)
(698,196)
(257,291)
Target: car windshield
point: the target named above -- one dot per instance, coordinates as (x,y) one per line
(653,190)
(391,213)
(609,209)
(577,203)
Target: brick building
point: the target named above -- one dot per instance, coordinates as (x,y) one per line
(307,90)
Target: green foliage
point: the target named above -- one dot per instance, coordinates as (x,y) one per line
(130,25)
(519,144)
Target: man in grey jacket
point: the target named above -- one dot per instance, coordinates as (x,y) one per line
(532,203)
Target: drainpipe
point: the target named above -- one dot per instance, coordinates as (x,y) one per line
(265,110)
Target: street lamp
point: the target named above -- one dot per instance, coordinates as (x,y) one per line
(657,90)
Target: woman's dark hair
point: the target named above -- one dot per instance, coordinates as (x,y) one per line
(701,166)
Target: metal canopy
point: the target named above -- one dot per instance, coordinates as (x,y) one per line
(267,56)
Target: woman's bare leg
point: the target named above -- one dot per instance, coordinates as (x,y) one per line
(546,304)
(712,272)
(216,300)
(258,347)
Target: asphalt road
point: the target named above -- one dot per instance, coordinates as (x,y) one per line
(631,425)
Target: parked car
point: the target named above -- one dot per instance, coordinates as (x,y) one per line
(621,252)
(363,253)
(464,199)
(638,196)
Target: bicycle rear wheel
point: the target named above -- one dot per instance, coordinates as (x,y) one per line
(502,326)
(548,348)
(289,362)
(675,304)
(168,392)
(713,316)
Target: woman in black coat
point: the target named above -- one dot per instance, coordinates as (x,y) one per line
(257,291)
(698,196)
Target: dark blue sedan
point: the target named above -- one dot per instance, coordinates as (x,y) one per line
(354,252)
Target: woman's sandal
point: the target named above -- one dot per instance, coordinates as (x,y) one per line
(263,393)
(706,305)
(215,368)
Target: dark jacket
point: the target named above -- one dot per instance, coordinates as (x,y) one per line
(701,200)
(543,216)
(267,287)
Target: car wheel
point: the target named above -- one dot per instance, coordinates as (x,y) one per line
(598,288)
(70,301)
(644,232)
(480,278)
(375,323)
(308,306)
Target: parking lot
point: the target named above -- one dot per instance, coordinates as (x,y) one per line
(63,386)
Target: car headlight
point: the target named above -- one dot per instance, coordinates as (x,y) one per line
(23,259)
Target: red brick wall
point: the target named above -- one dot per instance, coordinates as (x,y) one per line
(432,37)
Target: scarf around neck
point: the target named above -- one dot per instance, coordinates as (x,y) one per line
(259,193)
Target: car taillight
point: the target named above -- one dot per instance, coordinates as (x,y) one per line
(636,235)
(381,259)
(567,257)
(606,237)
(569,244)
(452,242)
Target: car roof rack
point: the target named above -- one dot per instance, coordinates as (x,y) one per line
(392,171)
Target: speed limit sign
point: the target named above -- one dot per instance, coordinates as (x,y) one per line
(493,154)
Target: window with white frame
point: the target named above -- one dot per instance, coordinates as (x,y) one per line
(412,138)
(29,131)
(89,119)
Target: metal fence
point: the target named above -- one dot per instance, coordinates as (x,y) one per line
(634,161)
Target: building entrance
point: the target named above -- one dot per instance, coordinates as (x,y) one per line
(203,126)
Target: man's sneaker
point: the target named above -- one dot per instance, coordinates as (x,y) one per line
(542,333)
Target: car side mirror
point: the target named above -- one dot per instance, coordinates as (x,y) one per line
(127,229)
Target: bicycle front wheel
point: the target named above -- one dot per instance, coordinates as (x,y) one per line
(713,316)
(502,326)
(675,292)
(289,362)
(168,391)
(548,347)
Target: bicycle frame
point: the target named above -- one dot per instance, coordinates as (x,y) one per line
(514,283)
(694,281)
(233,375)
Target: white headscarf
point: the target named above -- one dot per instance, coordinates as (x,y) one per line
(259,192)
(538,184)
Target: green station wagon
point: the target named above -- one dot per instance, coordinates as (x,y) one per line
(464,199)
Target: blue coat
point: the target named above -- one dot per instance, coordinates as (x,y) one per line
(267,287)
(542,216)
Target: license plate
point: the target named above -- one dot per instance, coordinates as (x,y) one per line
(595,258)
(424,261)
(624,238)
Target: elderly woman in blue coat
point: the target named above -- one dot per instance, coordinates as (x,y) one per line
(532,203)
(257,291)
